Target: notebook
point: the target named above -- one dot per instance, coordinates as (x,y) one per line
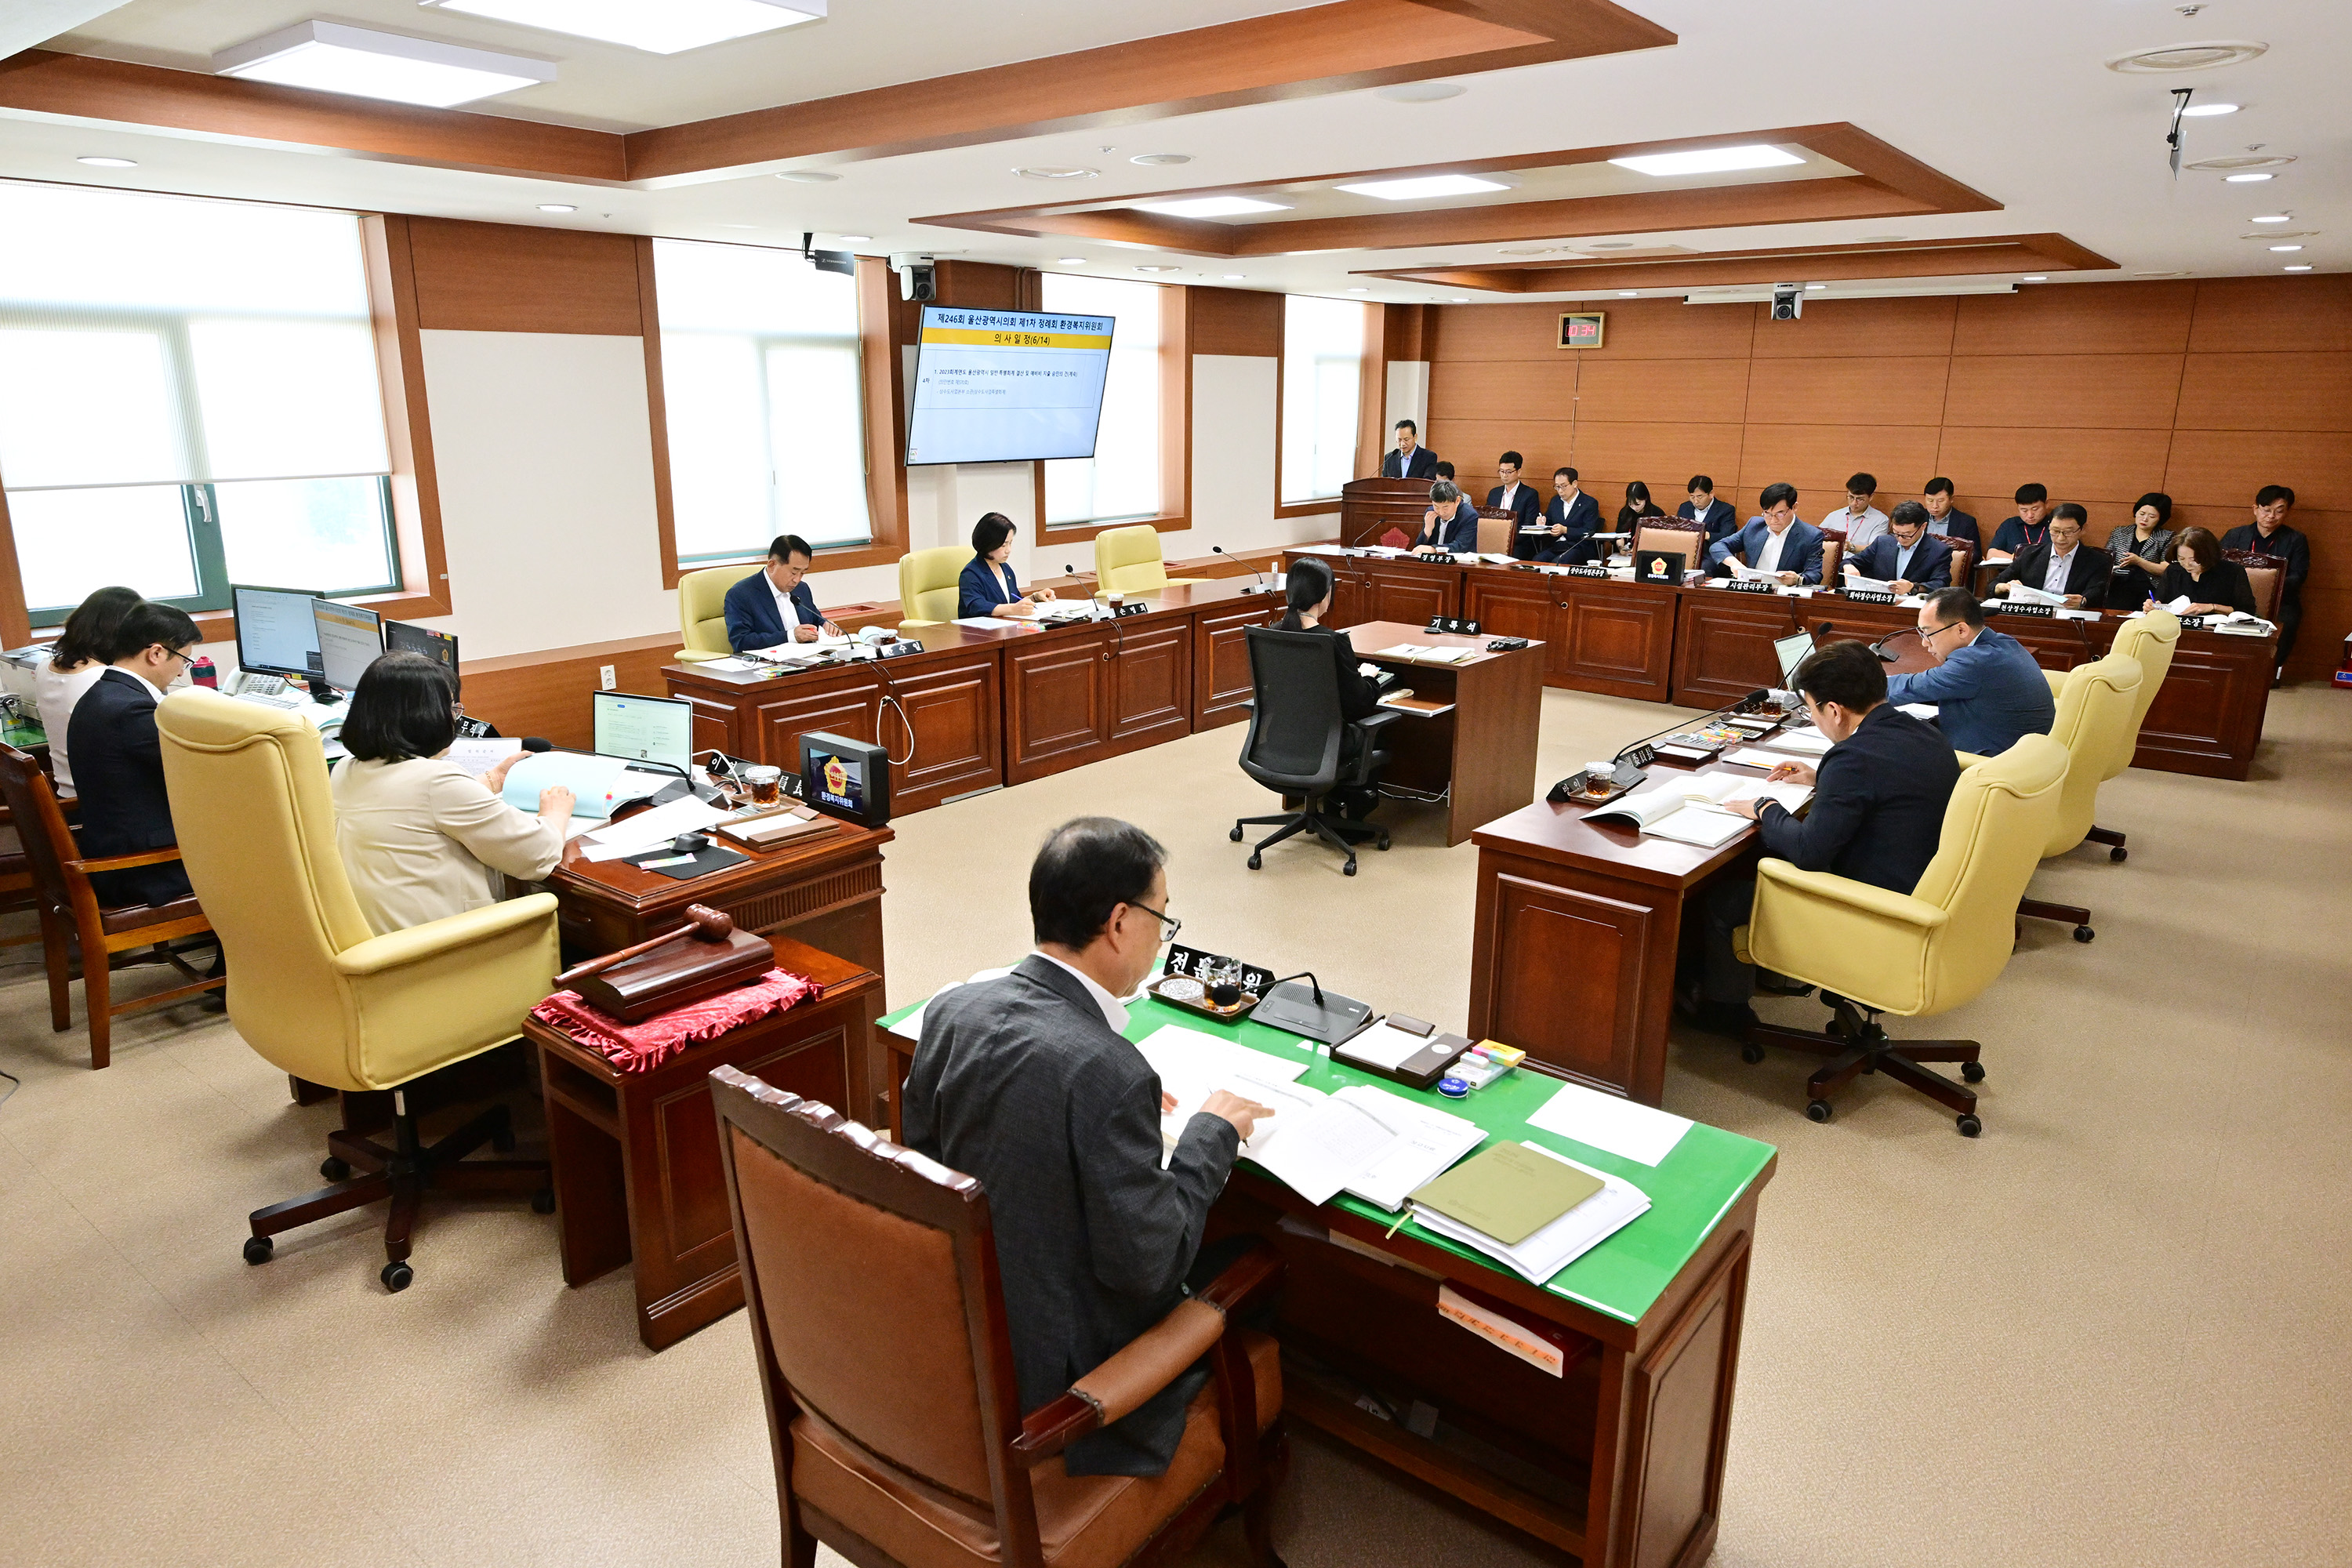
(1691,810)
(1508,1193)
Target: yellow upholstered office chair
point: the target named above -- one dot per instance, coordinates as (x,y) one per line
(702,611)
(2096,705)
(930,583)
(319,995)
(2149,639)
(1128,561)
(1915,953)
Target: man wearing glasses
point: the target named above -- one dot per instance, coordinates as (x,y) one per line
(1986,689)
(1028,1083)
(119,760)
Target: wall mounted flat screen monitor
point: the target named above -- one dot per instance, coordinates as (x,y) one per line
(275,634)
(1007,386)
(441,647)
(350,640)
(644,728)
(1792,651)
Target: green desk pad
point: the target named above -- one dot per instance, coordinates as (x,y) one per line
(1689,1190)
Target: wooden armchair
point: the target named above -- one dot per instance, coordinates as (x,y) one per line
(877,1321)
(1673,536)
(2265,574)
(70,913)
(1832,556)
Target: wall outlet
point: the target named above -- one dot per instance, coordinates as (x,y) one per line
(604,674)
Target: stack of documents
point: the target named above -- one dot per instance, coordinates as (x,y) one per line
(1421,654)
(1512,1205)
(1854,579)
(2020,594)
(1787,746)
(1692,811)
(640,832)
(1363,1140)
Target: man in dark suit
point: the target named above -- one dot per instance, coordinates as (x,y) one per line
(1518,500)
(1956,526)
(1776,542)
(2269,534)
(1028,1083)
(1572,517)
(1876,816)
(2060,564)
(2029,526)
(1451,523)
(774,605)
(1410,460)
(1906,556)
(1718,517)
(119,759)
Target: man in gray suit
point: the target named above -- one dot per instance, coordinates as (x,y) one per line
(1028,1083)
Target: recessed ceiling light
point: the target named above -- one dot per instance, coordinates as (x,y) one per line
(1160,266)
(1360,291)
(1881,238)
(2254,159)
(1057,171)
(1420,91)
(2246,179)
(1604,245)
(1328,250)
(2200,110)
(2267,218)
(1423,186)
(1235,276)
(1462,298)
(1211,206)
(557,207)
(1070,260)
(2186,56)
(855,239)
(331,56)
(1711,161)
(1816,285)
(2160,274)
(664,29)
(1627,293)
(1161,159)
(110,163)
(2037,278)
(1126,244)
(808,176)
(2299,266)
(2286,248)
(739,226)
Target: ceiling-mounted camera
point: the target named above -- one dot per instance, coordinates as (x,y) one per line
(1788,301)
(918,277)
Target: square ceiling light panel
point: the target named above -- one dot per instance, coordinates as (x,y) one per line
(1211,206)
(1423,186)
(656,26)
(1711,161)
(334,57)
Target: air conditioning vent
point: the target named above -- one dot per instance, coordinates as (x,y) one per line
(2230,165)
(2187,57)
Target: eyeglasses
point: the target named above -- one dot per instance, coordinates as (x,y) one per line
(175,653)
(1927,635)
(1171,923)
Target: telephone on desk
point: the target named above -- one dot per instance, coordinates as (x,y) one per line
(255,686)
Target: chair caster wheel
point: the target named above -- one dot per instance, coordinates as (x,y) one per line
(1235,835)
(258,1248)
(1969,1126)
(544,1201)
(1255,864)
(1817,1111)
(2119,854)
(2084,933)
(1972,1072)
(1751,1053)
(334,1167)
(1381,841)
(1349,869)
(397,1277)
(503,1140)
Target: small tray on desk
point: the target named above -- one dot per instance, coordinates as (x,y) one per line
(1580,797)
(1204,1007)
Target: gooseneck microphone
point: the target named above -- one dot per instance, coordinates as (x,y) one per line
(1261,588)
(1754,700)
(1878,648)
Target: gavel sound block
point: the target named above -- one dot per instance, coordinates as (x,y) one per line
(702,958)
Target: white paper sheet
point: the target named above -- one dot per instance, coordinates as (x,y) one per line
(1328,1146)
(1618,1205)
(1382,1046)
(1611,1122)
(1430,1141)
(729,665)
(479,756)
(648,828)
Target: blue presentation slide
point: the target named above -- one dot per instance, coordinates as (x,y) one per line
(1007,386)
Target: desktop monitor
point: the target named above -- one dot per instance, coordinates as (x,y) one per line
(658,729)
(441,647)
(275,633)
(350,640)
(846,778)
(1791,650)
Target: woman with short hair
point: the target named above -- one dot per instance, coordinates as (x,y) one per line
(988,587)
(76,661)
(419,835)
(2138,549)
(2212,585)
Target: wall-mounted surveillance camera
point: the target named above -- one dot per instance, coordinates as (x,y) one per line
(1788,301)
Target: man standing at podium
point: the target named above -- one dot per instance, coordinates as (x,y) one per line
(1410,460)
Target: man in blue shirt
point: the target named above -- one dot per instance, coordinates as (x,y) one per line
(1986,689)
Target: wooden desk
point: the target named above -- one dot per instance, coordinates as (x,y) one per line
(635,1154)
(1620,1462)
(1578,929)
(1369,508)
(1482,755)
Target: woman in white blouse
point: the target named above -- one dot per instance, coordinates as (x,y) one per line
(76,661)
(419,835)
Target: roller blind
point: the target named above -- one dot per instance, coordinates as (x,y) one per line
(1122,478)
(1322,362)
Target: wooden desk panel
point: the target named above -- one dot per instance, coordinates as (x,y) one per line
(1411,593)
(1150,683)
(1053,706)
(1615,637)
(1369,508)
(2208,717)
(1723,642)
(1483,754)
(1221,668)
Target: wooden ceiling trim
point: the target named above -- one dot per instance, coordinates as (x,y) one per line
(1913,259)
(40,81)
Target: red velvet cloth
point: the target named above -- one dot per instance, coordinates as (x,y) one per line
(641,1047)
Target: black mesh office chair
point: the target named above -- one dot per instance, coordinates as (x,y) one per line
(1300,744)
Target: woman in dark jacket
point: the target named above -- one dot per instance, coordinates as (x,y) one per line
(988,588)
(2198,573)
(1638,506)
(1307,591)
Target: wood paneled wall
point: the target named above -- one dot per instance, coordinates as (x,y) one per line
(2204,390)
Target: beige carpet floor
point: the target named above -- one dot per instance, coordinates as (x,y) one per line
(2112,1331)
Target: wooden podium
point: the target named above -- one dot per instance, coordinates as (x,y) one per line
(1369,508)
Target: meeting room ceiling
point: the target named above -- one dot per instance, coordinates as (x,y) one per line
(1995,140)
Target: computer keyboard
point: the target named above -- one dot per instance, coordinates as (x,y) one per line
(272,702)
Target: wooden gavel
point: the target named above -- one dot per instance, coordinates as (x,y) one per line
(702,922)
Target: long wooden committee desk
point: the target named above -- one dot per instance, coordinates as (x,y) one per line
(985,707)
(1703,646)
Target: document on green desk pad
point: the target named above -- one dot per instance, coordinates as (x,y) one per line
(1509,1192)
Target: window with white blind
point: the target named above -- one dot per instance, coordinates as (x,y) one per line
(1322,368)
(764,391)
(1121,480)
(188,397)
